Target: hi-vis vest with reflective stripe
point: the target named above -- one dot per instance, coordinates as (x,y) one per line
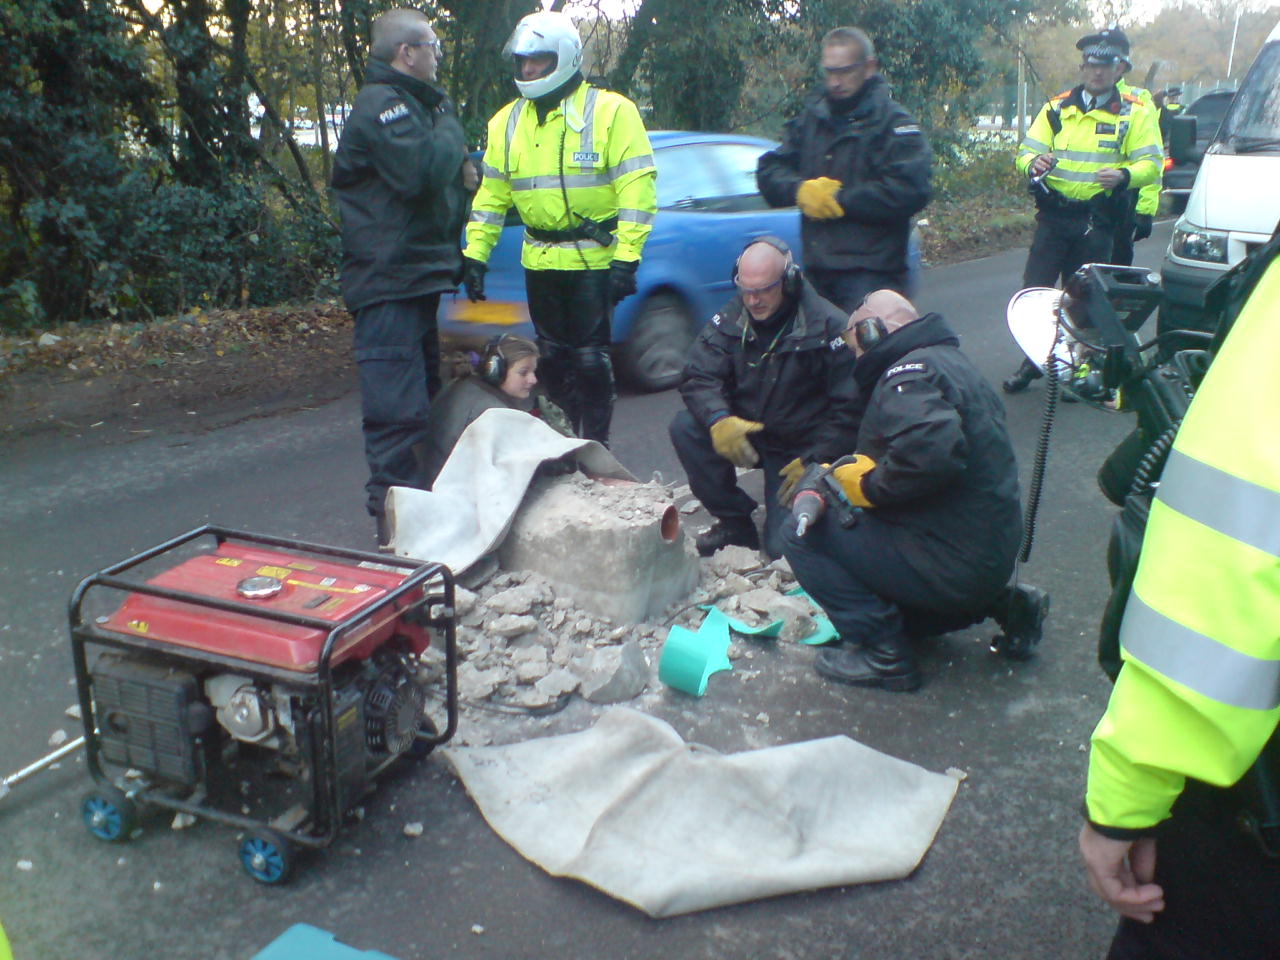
(1148,196)
(1085,143)
(1199,693)
(598,139)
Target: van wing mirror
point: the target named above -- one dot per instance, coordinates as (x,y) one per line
(1182,139)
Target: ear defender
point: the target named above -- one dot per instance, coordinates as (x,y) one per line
(493,365)
(791,273)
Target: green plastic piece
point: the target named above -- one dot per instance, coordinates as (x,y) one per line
(689,659)
(825,631)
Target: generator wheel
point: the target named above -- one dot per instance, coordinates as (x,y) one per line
(108,814)
(266,856)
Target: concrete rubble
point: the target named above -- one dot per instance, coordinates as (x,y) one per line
(528,638)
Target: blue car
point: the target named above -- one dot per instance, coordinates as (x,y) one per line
(708,208)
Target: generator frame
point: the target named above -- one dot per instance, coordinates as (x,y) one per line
(434,608)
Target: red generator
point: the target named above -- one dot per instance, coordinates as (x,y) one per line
(259,682)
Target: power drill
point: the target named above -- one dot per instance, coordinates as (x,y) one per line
(817,490)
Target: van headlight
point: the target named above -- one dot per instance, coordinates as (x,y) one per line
(1190,243)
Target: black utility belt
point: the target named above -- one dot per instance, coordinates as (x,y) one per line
(582,232)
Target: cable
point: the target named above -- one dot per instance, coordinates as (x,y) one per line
(1042,448)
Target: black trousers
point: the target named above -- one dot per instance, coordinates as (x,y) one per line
(868,587)
(1122,237)
(848,288)
(572,314)
(1062,244)
(1222,894)
(397,351)
(714,480)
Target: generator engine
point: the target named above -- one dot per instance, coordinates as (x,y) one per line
(264,679)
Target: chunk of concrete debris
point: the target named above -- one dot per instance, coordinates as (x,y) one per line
(521,599)
(531,665)
(464,601)
(57,738)
(513,624)
(557,683)
(182,820)
(734,559)
(413,829)
(476,684)
(616,674)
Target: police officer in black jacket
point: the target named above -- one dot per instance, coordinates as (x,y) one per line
(939,521)
(402,176)
(858,167)
(767,383)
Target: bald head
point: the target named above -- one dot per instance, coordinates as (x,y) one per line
(894,310)
(760,270)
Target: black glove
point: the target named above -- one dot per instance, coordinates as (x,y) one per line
(1141,226)
(473,272)
(622,279)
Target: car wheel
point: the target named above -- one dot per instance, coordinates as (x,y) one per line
(653,357)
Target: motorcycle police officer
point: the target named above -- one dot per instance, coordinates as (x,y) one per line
(576,162)
(1086,148)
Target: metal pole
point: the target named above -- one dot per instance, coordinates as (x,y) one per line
(1231,57)
(40,764)
(1022,95)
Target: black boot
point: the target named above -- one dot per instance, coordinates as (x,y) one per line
(887,663)
(1022,377)
(737,531)
(1020,611)
(383,532)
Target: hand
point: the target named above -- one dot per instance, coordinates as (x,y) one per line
(850,474)
(791,475)
(622,279)
(729,438)
(473,272)
(1042,165)
(1121,871)
(1111,177)
(470,175)
(1141,226)
(817,199)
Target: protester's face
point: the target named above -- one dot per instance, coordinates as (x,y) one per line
(521,378)
(1100,77)
(845,70)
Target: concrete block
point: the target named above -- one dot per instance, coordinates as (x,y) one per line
(616,674)
(614,549)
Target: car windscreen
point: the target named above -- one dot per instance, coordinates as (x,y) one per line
(1252,123)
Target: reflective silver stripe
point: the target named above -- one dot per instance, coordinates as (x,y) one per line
(1149,151)
(636,216)
(630,165)
(561,244)
(551,181)
(1234,507)
(1199,662)
(1078,176)
(487,216)
(512,120)
(588,130)
(493,172)
(1109,156)
(1033,146)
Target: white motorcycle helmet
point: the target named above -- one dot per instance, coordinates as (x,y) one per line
(547,32)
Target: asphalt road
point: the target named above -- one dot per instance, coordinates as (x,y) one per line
(1001,881)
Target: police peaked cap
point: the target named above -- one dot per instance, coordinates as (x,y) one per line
(1106,46)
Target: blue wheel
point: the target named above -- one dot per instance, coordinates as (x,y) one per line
(266,856)
(108,814)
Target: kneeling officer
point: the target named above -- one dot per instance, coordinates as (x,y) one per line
(940,522)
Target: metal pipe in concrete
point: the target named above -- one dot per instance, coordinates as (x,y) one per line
(669,528)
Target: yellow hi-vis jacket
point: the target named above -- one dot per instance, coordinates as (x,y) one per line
(1123,133)
(593,149)
(1199,693)
(1148,196)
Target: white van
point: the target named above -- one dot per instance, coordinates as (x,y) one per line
(1235,204)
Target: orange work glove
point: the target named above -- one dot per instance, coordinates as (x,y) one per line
(791,476)
(817,199)
(729,438)
(850,476)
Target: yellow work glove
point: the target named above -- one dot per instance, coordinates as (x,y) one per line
(850,476)
(791,476)
(817,199)
(729,437)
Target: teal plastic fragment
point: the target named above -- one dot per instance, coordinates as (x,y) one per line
(825,631)
(689,659)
